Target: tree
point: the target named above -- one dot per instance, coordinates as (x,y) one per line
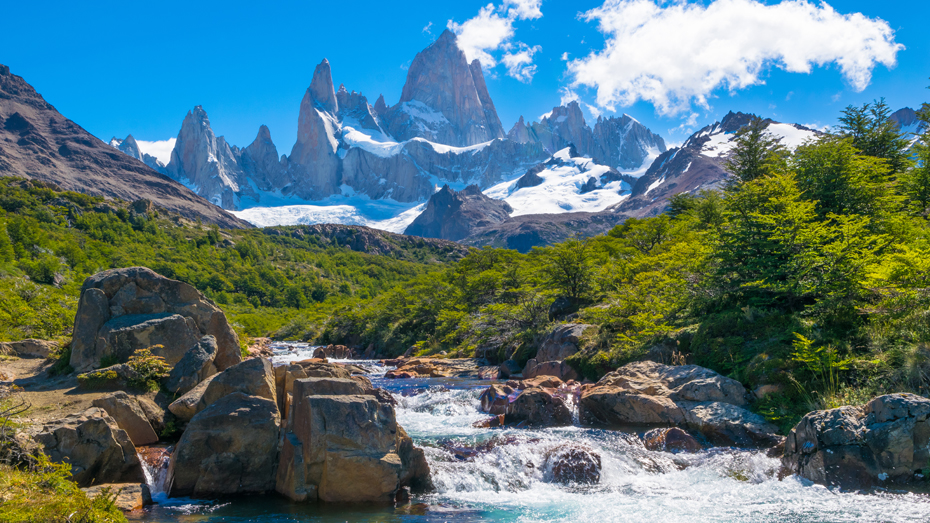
(833,173)
(757,152)
(567,267)
(871,130)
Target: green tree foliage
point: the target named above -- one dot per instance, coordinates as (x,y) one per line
(567,267)
(873,133)
(757,152)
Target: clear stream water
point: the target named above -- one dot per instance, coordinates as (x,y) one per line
(510,483)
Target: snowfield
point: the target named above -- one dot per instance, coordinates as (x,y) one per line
(560,190)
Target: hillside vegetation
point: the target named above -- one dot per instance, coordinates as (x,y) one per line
(51,240)
(809,272)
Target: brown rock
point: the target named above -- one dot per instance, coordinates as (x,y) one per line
(129,496)
(573,463)
(185,407)
(128,414)
(495,400)
(671,439)
(561,343)
(29,348)
(195,366)
(539,408)
(649,393)
(253,377)
(95,447)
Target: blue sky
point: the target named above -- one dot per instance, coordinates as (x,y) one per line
(133,67)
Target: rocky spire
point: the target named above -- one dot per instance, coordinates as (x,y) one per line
(519,133)
(445,99)
(261,164)
(313,158)
(380,107)
(205,161)
(321,88)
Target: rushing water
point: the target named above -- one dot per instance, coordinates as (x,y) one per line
(503,475)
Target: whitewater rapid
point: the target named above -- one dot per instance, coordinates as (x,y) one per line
(502,475)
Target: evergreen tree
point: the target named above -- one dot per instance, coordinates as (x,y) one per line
(757,152)
(833,173)
(872,131)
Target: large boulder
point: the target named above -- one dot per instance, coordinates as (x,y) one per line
(231,447)
(253,377)
(885,441)
(121,310)
(561,343)
(688,396)
(195,366)
(95,447)
(345,448)
(495,400)
(538,407)
(129,416)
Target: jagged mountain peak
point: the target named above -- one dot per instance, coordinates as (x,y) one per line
(321,88)
(445,99)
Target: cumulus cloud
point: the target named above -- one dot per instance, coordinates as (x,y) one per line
(426,29)
(675,54)
(520,65)
(491,32)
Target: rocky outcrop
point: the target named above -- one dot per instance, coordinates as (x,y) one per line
(345,447)
(885,441)
(519,133)
(95,447)
(231,447)
(123,310)
(445,99)
(262,165)
(38,143)
(195,366)
(28,348)
(432,368)
(648,393)
(452,215)
(625,144)
(129,416)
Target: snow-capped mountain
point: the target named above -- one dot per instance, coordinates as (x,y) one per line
(358,163)
(699,164)
(567,182)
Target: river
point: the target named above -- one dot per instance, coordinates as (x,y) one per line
(508,479)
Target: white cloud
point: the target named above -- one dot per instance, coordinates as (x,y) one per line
(568,96)
(524,9)
(427,27)
(565,56)
(492,31)
(520,64)
(160,149)
(675,54)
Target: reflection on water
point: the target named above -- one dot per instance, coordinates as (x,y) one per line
(504,475)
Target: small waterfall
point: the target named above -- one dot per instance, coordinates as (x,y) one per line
(155,467)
